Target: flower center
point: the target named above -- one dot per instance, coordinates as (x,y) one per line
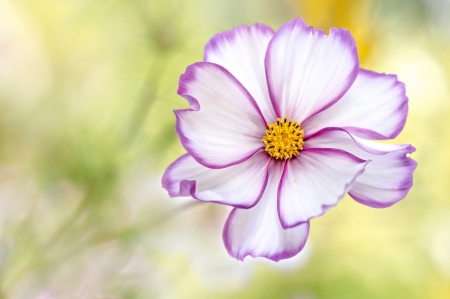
(284,139)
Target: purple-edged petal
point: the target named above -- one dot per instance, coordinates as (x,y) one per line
(386,179)
(240,185)
(375,107)
(341,139)
(386,182)
(223,126)
(315,181)
(308,71)
(241,51)
(257,232)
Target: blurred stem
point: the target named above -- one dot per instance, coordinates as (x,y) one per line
(140,111)
(126,234)
(172,213)
(145,102)
(152,81)
(54,239)
(73,217)
(135,230)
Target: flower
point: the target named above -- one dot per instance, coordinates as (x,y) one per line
(280,127)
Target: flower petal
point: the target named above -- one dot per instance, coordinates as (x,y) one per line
(240,185)
(308,71)
(386,181)
(257,232)
(241,51)
(315,181)
(223,126)
(387,178)
(341,139)
(375,107)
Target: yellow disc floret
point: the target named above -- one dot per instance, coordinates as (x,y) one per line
(284,139)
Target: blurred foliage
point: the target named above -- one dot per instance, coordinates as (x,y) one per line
(87,90)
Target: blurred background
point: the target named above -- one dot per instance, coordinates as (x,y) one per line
(87,90)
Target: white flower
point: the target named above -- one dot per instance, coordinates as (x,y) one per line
(280,126)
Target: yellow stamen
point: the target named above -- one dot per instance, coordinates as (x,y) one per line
(284,139)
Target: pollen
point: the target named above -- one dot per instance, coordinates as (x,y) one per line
(284,139)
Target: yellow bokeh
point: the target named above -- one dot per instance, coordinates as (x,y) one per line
(355,15)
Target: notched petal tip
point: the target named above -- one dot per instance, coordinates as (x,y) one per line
(387,181)
(239,186)
(381,198)
(298,21)
(325,68)
(219,105)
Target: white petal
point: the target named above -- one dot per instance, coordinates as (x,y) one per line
(223,126)
(341,139)
(257,232)
(386,179)
(241,51)
(315,181)
(240,185)
(308,71)
(375,107)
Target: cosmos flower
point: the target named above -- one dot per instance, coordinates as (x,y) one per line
(280,127)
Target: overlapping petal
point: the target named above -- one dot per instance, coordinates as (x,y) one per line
(308,71)
(257,232)
(224,125)
(375,107)
(341,139)
(314,181)
(241,51)
(240,185)
(386,179)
